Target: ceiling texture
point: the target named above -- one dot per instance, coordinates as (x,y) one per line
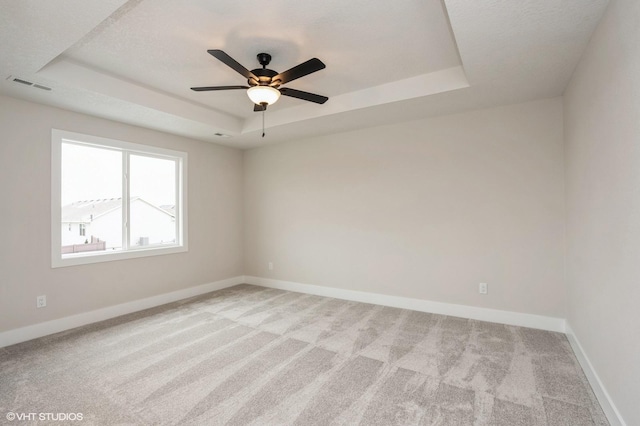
(134,61)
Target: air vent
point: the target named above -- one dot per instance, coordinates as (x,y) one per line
(28,83)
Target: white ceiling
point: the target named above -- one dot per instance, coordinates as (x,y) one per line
(134,61)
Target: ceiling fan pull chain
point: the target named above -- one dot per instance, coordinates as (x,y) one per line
(263,111)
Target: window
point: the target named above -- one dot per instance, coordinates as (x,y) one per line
(115,200)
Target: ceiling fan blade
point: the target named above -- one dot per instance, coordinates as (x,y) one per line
(259,108)
(208,88)
(232,63)
(311,97)
(305,68)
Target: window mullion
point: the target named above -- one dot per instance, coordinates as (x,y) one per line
(126,223)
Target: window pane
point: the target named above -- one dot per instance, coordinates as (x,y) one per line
(91,199)
(152,206)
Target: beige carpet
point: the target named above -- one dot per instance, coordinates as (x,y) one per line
(251,355)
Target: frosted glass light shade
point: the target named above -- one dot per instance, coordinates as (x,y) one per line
(263,94)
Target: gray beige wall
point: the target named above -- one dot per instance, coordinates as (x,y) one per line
(215,221)
(602,112)
(426,209)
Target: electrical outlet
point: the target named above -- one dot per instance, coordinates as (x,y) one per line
(483,288)
(41,301)
(271,266)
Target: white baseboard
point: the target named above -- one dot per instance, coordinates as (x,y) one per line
(464,311)
(609,408)
(22,334)
(45,328)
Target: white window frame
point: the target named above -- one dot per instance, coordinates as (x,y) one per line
(60,136)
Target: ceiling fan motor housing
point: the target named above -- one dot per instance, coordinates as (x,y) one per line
(265,77)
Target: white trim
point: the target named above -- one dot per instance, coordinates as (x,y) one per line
(55,326)
(107,256)
(181,159)
(609,408)
(464,311)
(56,190)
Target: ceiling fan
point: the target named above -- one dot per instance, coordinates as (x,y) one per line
(264,84)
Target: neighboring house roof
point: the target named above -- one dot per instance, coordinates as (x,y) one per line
(89,210)
(169,208)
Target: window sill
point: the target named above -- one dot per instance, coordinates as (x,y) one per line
(84,259)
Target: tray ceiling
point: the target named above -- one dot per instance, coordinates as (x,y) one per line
(134,61)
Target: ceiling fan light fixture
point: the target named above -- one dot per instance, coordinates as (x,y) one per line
(263,95)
